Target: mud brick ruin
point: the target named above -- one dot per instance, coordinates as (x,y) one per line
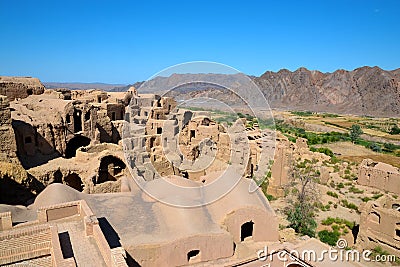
(69,198)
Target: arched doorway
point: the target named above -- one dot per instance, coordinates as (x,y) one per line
(75,143)
(110,167)
(73,180)
(246,230)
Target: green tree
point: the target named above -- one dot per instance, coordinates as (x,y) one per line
(375,147)
(395,130)
(301,210)
(389,147)
(355,132)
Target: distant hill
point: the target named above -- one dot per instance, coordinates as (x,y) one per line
(82,86)
(363,91)
(125,87)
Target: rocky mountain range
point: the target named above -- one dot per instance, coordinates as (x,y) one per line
(362,91)
(82,86)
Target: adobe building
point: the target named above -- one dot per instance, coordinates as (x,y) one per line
(81,161)
(20,87)
(285,154)
(379,175)
(380,225)
(66,234)
(47,126)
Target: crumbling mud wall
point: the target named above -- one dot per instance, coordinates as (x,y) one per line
(380,225)
(20,87)
(379,175)
(14,180)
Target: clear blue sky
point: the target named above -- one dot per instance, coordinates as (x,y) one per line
(128,41)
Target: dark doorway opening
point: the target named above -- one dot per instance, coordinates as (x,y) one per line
(159,130)
(73,180)
(113,116)
(29,92)
(74,144)
(57,177)
(110,167)
(246,230)
(77,121)
(193,255)
(152,140)
(192,135)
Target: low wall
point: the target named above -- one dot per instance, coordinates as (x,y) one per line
(57,258)
(5,221)
(113,257)
(23,244)
(206,247)
(59,211)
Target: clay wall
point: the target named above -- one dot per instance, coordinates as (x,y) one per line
(16,87)
(209,247)
(379,175)
(5,221)
(380,225)
(8,147)
(22,244)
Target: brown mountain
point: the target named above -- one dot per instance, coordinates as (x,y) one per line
(364,91)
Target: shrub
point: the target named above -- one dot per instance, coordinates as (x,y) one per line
(349,205)
(389,147)
(366,199)
(340,185)
(355,190)
(395,130)
(376,196)
(329,237)
(339,221)
(375,147)
(332,194)
(300,222)
(325,150)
